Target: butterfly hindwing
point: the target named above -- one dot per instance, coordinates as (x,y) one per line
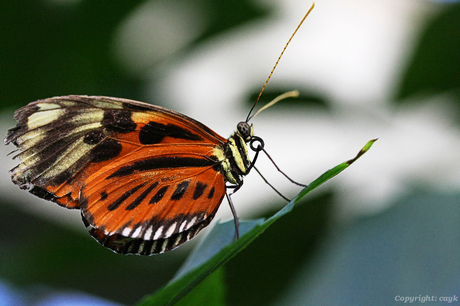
(168,201)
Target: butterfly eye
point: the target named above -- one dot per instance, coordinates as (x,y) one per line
(245,130)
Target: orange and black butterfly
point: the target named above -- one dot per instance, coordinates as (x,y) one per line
(145,178)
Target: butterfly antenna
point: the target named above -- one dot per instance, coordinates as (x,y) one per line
(249,117)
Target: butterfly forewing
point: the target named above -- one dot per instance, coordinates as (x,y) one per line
(140,173)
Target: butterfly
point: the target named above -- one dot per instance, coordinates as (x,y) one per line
(145,178)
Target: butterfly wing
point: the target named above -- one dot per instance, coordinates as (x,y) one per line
(150,205)
(74,149)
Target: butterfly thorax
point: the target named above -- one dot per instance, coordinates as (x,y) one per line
(233,154)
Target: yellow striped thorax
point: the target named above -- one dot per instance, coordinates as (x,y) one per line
(234,156)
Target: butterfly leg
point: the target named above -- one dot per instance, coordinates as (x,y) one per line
(277,168)
(232,208)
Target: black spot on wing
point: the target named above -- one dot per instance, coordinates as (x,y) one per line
(211,193)
(199,189)
(104,195)
(161,163)
(93,137)
(155,132)
(118,121)
(180,190)
(218,168)
(141,198)
(159,195)
(105,150)
(126,195)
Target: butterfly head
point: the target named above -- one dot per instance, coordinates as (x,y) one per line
(245,130)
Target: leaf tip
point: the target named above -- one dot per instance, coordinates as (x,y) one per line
(366,148)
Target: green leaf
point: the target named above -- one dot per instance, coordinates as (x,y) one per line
(218,247)
(211,291)
(434,67)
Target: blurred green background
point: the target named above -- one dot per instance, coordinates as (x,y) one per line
(388,227)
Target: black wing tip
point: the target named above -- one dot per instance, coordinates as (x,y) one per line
(10,135)
(43,193)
